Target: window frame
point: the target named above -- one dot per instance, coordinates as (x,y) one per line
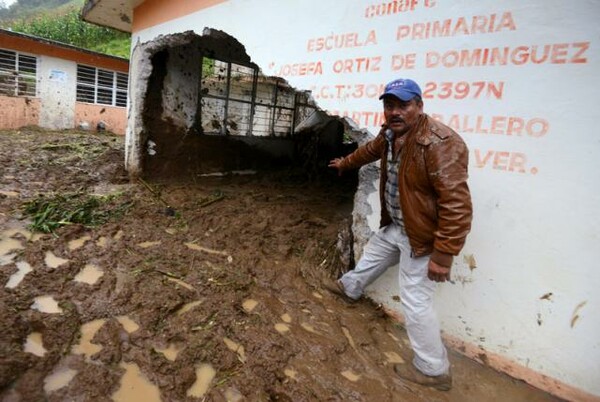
(101,87)
(24,82)
(272,114)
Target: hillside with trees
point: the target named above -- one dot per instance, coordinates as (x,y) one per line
(59,20)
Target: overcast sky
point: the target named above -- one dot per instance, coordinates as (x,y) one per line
(7,3)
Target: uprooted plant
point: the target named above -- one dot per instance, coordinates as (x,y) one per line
(50,213)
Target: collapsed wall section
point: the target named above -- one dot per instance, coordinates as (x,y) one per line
(199,104)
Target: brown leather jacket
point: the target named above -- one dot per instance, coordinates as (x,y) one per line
(434,195)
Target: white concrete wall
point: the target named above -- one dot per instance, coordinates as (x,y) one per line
(57,90)
(180,91)
(532,295)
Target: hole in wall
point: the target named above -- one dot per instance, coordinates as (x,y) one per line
(208,108)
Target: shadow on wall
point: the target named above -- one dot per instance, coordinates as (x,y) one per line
(207,108)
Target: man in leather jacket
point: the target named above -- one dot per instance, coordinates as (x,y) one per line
(426,215)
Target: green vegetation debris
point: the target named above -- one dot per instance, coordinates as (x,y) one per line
(50,213)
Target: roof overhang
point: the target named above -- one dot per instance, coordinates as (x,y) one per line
(117,14)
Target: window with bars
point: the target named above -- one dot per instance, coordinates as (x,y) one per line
(235,99)
(102,87)
(18,74)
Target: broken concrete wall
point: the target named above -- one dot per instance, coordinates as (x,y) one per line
(200,104)
(180,89)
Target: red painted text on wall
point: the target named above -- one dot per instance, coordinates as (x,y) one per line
(341,41)
(478,24)
(501,125)
(557,53)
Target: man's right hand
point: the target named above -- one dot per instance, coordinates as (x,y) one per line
(437,272)
(336,164)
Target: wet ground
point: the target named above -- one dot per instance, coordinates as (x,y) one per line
(204,289)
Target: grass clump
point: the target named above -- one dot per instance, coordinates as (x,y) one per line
(51,213)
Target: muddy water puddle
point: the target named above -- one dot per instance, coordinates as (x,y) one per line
(78,243)
(6,259)
(135,387)
(89,274)
(170,353)
(85,346)
(53,261)
(58,379)
(88,330)
(15,279)
(34,344)
(128,324)
(46,304)
(9,233)
(8,244)
(205,373)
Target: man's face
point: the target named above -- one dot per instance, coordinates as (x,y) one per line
(400,115)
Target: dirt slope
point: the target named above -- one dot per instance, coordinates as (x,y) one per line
(206,289)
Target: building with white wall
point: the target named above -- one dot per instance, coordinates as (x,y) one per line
(518,80)
(57,86)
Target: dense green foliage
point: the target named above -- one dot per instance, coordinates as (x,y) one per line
(25,9)
(65,25)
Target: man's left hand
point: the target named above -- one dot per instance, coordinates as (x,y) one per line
(437,272)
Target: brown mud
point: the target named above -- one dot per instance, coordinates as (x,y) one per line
(207,289)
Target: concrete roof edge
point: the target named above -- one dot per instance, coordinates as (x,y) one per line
(60,44)
(88,7)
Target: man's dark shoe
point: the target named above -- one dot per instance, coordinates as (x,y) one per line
(336,287)
(410,373)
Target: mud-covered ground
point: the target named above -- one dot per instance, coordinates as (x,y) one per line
(199,289)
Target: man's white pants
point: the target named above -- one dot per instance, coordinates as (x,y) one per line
(387,247)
